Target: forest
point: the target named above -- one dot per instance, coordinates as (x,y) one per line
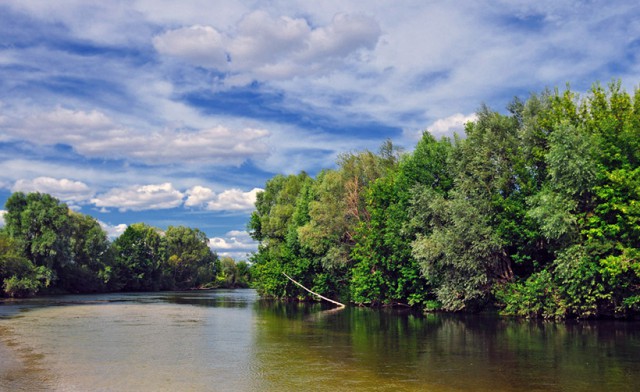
(45,247)
(534,212)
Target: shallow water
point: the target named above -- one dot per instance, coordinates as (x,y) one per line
(232,341)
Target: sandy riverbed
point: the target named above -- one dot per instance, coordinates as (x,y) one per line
(20,368)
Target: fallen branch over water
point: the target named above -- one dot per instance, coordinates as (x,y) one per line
(316,294)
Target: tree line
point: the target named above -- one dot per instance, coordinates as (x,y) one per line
(535,212)
(48,248)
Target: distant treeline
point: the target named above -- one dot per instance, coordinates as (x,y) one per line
(46,247)
(536,212)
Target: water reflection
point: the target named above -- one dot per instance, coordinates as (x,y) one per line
(384,350)
(230,340)
(222,299)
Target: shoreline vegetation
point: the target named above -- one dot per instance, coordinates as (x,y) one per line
(535,213)
(47,248)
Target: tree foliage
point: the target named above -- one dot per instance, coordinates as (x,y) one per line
(18,275)
(233,274)
(40,223)
(535,211)
(45,246)
(189,260)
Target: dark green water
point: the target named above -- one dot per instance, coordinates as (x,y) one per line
(231,341)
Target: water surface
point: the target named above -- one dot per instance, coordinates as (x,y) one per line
(232,341)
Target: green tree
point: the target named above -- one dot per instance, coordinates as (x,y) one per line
(536,211)
(385,270)
(474,233)
(91,262)
(272,224)
(40,223)
(18,276)
(139,254)
(339,204)
(233,274)
(274,207)
(190,261)
(587,210)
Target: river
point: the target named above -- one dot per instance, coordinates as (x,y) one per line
(229,340)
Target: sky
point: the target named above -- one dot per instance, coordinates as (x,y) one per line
(177,113)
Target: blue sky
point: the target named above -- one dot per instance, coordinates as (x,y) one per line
(176,113)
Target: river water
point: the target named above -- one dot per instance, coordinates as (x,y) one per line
(229,340)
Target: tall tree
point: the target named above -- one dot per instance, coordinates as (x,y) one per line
(473,232)
(40,223)
(190,261)
(139,253)
(384,270)
(91,262)
(587,210)
(272,224)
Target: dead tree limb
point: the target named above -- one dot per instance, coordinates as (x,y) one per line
(316,294)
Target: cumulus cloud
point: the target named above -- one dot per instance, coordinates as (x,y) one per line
(166,196)
(266,48)
(199,195)
(113,231)
(200,45)
(227,200)
(234,200)
(235,239)
(139,198)
(94,134)
(63,189)
(237,244)
(402,67)
(2,212)
(452,124)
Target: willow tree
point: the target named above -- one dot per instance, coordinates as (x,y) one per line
(384,271)
(587,209)
(473,231)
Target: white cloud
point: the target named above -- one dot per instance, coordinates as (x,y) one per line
(235,243)
(165,196)
(217,145)
(62,120)
(94,134)
(98,178)
(265,48)
(449,125)
(198,195)
(139,198)
(410,67)
(63,189)
(228,200)
(200,45)
(113,231)
(2,212)
(234,200)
